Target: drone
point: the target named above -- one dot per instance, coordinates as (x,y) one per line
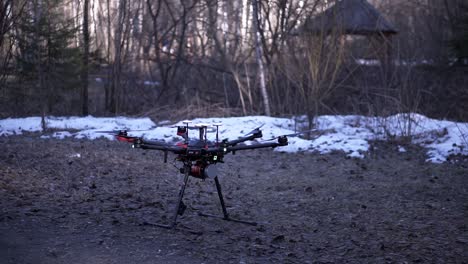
(198,157)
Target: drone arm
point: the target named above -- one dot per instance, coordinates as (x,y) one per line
(155,145)
(255,146)
(176,150)
(234,142)
(154,142)
(282,141)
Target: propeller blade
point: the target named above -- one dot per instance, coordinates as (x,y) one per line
(209,129)
(202,125)
(293,134)
(117,131)
(110,131)
(253,131)
(155,142)
(189,127)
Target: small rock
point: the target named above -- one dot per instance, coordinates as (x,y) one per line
(278,239)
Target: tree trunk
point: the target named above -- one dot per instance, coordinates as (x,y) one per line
(39,66)
(84,70)
(107,86)
(259,53)
(117,66)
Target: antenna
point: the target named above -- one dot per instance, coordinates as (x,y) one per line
(186,122)
(203,129)
(217,125)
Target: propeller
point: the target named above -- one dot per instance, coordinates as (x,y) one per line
(209,128)
(254,131)
(294,134)
(121,135)
(120,131)
(111,131)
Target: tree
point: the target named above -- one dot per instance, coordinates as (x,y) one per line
(314,68)
(459,42)
(10,11)
(259,53)
(5,52)
(46,61)
(119,41)
(170,21)
(85,68)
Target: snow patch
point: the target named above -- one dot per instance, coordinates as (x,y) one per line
(350,134)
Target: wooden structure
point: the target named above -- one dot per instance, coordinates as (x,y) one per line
(353,17)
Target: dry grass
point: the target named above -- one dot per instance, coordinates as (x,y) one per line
(191,111)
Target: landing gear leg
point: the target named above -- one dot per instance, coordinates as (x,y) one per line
(180,206)
(223,206)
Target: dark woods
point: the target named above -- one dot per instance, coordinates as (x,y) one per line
(187,58)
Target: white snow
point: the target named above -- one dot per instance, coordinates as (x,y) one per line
(151,83)
(76,155)
(350,134)
(401,149)
(78,127)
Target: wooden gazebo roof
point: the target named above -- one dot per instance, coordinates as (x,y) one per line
(357,17)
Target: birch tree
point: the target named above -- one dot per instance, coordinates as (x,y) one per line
(259,56)
(84,70)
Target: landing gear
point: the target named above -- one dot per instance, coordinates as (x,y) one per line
(180,206)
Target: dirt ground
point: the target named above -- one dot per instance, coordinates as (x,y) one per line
(72,201)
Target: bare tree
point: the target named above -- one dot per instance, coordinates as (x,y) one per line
(259,53)
(314,68)
(5,52)
(84,70)
(6,9)
(41,84)
(169,30)
(10,12)
(116,77)
(280,18)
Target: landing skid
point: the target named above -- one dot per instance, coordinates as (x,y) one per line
(180,207)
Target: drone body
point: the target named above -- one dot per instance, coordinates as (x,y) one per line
(198,156)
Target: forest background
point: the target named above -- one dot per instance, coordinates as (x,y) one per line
(179,59)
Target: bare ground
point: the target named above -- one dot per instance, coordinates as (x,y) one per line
(391,207)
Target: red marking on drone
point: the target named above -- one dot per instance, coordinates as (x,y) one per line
(182,144)
(125,139)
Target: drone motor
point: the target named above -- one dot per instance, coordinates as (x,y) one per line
(181,131)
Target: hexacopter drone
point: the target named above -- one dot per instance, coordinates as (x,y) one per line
(198,156)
